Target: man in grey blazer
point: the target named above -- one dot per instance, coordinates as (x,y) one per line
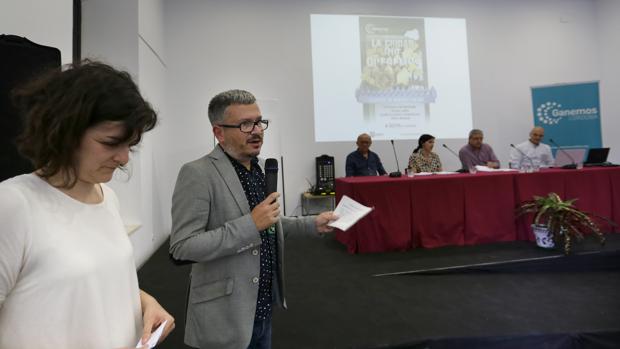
(222,221)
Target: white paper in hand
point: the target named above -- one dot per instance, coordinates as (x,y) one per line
(154,337)
(349,212)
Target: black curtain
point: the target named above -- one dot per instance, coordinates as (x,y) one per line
(20,60)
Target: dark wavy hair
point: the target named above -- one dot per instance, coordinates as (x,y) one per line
(423,139)
(59,106)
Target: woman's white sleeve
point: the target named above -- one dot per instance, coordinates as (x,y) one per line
(14,236)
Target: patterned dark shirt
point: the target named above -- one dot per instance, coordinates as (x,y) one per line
(420,163)
(253,183)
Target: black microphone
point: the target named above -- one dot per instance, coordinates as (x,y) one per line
(461,170)
(271,176)
(522,153)
(271,182)
(395,174)
(572,166)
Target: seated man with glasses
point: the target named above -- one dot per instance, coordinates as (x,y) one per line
(364,162)
(223,221)
(477,153)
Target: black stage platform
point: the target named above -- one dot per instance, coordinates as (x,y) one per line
(336,301)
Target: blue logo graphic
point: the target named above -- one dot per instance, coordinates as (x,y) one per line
(570,113)
(544,116)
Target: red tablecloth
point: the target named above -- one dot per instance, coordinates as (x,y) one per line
(465,209)
(385,228)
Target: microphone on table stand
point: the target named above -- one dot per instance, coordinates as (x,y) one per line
(395,174)
(572,166)
(461,170)
(522,153)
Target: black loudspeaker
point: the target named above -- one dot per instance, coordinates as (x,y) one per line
(20,61)
(324,175)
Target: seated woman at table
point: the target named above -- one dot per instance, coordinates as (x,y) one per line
(423,159)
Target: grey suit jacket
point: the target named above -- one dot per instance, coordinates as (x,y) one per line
(212,225)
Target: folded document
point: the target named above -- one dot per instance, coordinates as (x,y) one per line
(349,212)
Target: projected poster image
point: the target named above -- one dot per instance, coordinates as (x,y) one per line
(394,86)
(391,77)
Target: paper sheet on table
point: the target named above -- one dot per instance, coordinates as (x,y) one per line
(482,168)
(349,212)
(154,337)
(488,169)
(434,173)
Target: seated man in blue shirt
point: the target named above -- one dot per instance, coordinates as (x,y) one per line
(363,162)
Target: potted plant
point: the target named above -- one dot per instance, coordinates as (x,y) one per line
(562,220)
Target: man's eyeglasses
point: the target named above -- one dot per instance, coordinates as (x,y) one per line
(248,126)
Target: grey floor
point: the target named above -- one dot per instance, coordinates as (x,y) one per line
(335,301)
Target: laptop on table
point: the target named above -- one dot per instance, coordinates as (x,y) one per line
(597,157)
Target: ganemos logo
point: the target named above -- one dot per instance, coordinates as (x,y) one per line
(372,29)
(550,113)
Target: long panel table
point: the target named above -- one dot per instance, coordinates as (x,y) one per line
(465,209)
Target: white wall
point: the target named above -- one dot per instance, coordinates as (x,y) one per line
(116,45)
(152,72)
(48,23)
(128,35)
(609,45)
(264,46)
(109,32)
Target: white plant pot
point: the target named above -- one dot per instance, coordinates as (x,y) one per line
(543,238)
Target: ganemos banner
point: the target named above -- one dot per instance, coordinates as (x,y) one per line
(569,113)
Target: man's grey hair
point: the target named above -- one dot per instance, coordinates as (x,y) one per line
(475,132)
(219,103)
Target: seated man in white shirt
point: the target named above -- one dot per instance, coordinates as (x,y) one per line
(536,153)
